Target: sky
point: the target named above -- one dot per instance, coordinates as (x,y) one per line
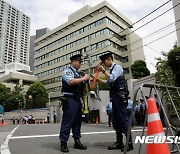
(53,13)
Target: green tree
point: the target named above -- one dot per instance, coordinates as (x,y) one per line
(3,94)
(39,95)
(14,102)
(166,76)
(18,89)
(20,95)
(3,89)
(139,69)
(11,100)
(174,62)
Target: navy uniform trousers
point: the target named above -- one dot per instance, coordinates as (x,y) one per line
(72,118)
(120,117)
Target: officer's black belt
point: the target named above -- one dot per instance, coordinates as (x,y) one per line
(73,96)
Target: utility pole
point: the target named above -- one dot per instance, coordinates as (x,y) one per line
(88,56)
(87,2)
(50,107)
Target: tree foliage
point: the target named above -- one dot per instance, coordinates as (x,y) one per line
(3,94)
(12,100)
(174,62)
(18,99)
(139,69)
(166,74)
(39,95)
(3,89)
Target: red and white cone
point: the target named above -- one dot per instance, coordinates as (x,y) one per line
(155,128)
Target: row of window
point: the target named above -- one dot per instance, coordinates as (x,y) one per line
(54,89)
(84,29)
(68,46)
(61,68)
(52,80)
(67,56)
(73,44)
(58,69)
(54,70)
(121,59)
(59,79)
(82,51)
(59,59)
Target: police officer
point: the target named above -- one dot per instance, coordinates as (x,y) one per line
(137,114)
(129,108)
(54,116)
(116,81)
(72,88)
(109,111)
(142,111)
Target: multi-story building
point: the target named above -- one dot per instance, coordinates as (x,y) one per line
(14,35)
(176,5)
(91,31)
(16,74)
(39,33)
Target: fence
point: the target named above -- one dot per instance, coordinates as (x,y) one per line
(168,97)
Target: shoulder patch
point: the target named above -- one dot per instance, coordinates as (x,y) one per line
(68,72)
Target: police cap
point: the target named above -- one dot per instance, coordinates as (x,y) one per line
(76,57)
(105,56)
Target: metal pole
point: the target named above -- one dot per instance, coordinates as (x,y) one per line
(129,128)
(88,56)
(166,117)
(50,107)
(178,92)
(172,102)
(49,98)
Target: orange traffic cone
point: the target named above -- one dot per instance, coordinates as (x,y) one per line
(97,120)
(155,128)
(5,123)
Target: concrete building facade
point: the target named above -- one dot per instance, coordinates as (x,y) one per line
(91,31)
(13,67)
(176,5)
(16,74)
(39,33)
(14,35)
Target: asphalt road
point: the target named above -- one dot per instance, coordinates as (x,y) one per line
(44,139)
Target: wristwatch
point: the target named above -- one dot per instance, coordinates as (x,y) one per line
(103,71)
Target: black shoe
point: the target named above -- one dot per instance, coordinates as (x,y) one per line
(130,147)
(117,145)
(64,147)
(79,145)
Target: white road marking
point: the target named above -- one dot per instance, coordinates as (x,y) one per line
(4,146)
(54,135)
(33,136)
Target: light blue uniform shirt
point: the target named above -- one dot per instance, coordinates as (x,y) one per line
(109,107)
(130,104)
(136,108)
(143,106)
(117,71)
(68,75)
